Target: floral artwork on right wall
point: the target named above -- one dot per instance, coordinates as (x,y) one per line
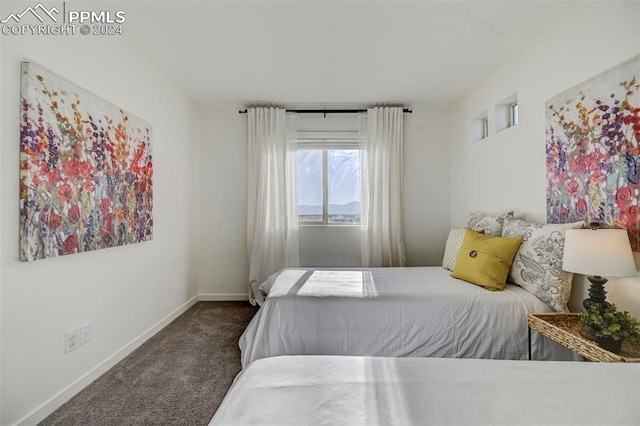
(593,151)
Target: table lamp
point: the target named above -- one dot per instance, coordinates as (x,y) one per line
(598,252)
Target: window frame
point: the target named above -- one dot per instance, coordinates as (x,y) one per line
(514,114)
(325,187)
(485,127)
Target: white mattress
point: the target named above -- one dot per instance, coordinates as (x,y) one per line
(330,390)
(392,312)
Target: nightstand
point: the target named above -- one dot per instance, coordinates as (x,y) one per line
(565,330)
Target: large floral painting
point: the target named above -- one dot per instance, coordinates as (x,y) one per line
(593,151)
(85,170)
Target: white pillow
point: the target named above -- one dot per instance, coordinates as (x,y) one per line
(490,225)
(537,266)
(451,249)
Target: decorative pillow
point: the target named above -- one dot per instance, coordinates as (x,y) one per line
(537,266)
(490,225)
(484,260)
(451,249)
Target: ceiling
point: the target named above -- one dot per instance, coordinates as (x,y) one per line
(334,52)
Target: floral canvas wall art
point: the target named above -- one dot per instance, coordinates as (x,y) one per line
(593,151)
(85,170)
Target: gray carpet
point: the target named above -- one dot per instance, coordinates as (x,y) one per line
(178,377)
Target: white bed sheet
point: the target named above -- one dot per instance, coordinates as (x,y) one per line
(334,390)
(399,312)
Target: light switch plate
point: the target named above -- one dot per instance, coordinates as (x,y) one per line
(71,339)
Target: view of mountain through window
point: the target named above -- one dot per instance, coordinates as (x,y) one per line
(336,173)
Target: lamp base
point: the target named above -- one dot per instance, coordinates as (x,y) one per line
(597,293)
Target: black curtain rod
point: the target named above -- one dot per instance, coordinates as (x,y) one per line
(328,111)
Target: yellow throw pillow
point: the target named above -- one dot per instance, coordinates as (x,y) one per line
(485,260)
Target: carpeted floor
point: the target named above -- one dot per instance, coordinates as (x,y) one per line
(178,377)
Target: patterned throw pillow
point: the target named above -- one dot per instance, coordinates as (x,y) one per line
(537,266)
(490,225)
(451,249)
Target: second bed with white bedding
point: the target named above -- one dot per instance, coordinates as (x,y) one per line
(333,390)
(397,312)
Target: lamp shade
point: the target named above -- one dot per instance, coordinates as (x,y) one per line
(602,252)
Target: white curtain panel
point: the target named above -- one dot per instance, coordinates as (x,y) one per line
(382,182)
(272,217)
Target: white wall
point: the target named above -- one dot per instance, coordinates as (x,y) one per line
(507,170)
(426,184)
(223,267)
(126,293)
(330,246)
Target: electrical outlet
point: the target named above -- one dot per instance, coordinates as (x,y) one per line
(71,339)
(85,333)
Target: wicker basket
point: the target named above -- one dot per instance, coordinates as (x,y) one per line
(565,329)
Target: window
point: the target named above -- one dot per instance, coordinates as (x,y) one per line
(343,186)
(480,127)
(329,185)
(507,113)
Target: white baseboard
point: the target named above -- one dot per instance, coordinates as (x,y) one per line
(48,407)
(222,297)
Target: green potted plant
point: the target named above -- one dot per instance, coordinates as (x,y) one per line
(609,326)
